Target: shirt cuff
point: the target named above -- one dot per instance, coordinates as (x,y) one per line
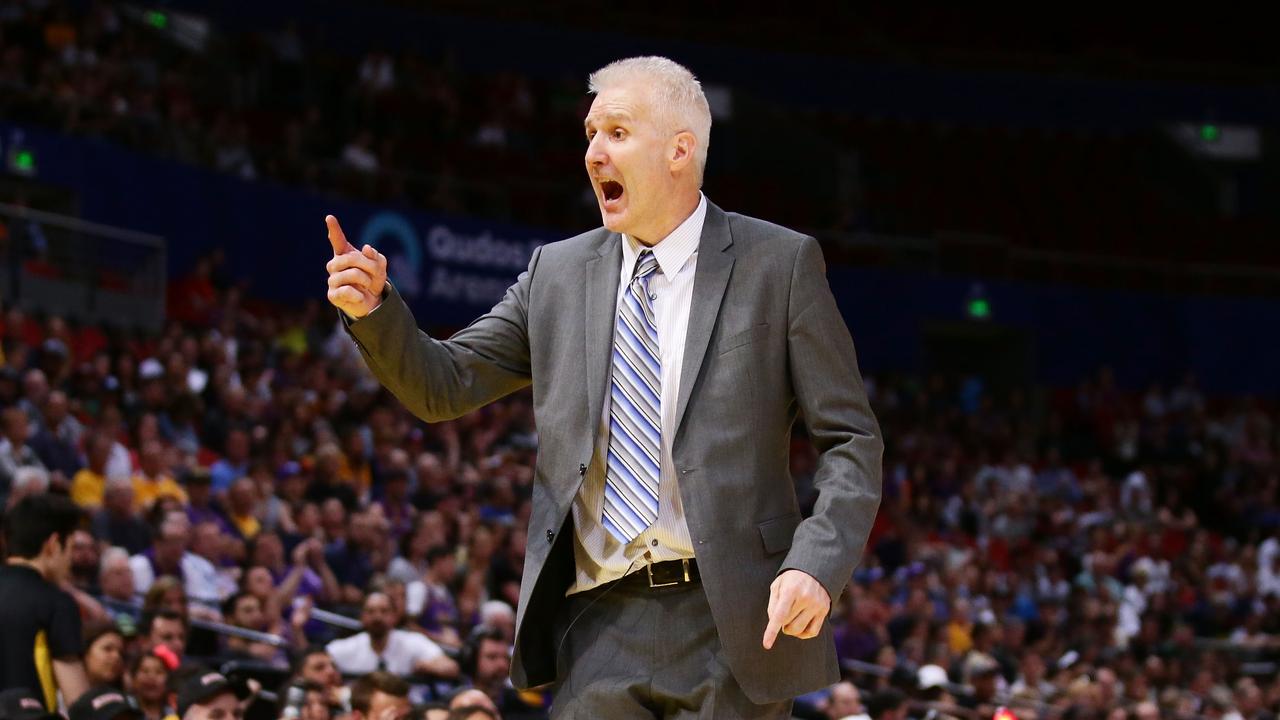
(352,320)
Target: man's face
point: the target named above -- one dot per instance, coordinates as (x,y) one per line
(249,613)
(171,544)
(152,458)
(15,426)
(492,661)
(84,554)
(844,701)
(319,668)
(169,632)
(388,707)
(117,580)
(377,615)
(55,408)
(628,154)
(206,541)
(223,707)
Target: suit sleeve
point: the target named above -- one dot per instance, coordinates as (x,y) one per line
(828,387)
(443,379)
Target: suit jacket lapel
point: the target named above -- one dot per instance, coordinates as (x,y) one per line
(715,261)
(601,300)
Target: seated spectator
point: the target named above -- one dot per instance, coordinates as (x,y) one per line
(89,484)
(486,660)
(350,557)
(234,464)
(58,436)
(381,646)
(115,579)
(208,580)
(15,453)
(887,704)
(432,595)
(379,695)
(327,483)
(167,628)
(201,505)
(28,480)
(306,575)
(164,557)
(498,615)
(152,482)
(208,696)
(116,521)
(308,701)
(244,610)
(241,500)
(317,667)
(411,563)
(147,679)
(844,702)
(104,654)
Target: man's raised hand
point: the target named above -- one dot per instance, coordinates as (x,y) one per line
(356,277)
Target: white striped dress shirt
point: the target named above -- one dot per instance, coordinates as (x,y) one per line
(600,557)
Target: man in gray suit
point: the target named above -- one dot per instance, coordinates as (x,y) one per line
(668,570)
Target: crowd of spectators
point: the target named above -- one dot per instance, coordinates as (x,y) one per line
(414,125)
(1082,552)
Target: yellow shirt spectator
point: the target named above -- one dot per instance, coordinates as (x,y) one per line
(87,487)
(146,490)
(248,525)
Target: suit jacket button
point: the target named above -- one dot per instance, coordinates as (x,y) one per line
(551,536)
(582,469)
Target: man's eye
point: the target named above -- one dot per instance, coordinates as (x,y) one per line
(617,134)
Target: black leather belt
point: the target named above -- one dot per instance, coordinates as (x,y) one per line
(666,574)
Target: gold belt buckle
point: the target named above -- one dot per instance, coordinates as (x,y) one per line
(683,561)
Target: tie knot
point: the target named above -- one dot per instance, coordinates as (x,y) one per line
(646,263)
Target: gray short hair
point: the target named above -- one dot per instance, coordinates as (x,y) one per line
(677,95)
(491,609)
(111,556)
(31,479)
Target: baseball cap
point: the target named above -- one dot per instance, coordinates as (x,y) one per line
(979,664)
(150,369)
(931,676)
(104,703)
(22,704)
(201,688)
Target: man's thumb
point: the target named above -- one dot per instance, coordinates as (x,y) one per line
(337,238)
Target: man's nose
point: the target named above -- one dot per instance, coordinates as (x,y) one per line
(596,156)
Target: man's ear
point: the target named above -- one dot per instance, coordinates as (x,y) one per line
(52,546)
(682,149)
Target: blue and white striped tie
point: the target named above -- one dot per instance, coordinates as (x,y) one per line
(635,419)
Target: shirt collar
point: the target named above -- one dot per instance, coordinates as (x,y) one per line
(673,251)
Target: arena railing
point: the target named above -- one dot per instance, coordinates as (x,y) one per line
(87,271)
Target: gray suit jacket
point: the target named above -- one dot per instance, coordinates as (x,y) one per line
(765,342)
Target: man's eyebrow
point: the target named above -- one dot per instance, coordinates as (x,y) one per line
(615,115)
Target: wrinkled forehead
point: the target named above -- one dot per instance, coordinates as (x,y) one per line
(630,101)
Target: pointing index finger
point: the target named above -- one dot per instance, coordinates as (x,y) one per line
(771,632)
(337,238)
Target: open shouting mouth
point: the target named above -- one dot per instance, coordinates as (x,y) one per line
(612,192)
